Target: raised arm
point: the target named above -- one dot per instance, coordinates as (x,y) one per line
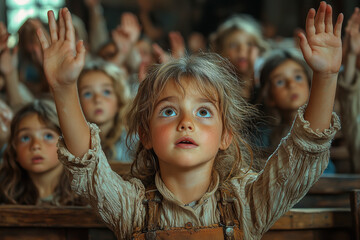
(322,51)
(351,46)
(63,62)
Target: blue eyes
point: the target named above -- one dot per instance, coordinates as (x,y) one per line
(27,138)
(203,113)
(105,93)
(298,78)
(49,136)
(281,82)
(170,112)
(167,112)
(24,139)
(87,94)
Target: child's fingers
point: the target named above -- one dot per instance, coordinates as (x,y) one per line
(319,18)
(43,40)
(61,25)
(52,26)
(310,27)
(328,19)
(304,46)
(80,53)
(337,28)
(69,29)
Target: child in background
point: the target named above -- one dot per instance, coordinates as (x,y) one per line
(12,91)
(349,90)
(240,40)
(31,172)
(104,97)
(190,176)
(285,82)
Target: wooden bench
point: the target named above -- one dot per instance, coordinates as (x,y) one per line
(332,190)
(80,223)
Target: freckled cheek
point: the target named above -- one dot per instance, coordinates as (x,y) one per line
(161,135)
(211,134)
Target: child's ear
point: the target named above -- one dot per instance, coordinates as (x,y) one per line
(226,140)
(144,140)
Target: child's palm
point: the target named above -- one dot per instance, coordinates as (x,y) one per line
(324,47)
(63,61)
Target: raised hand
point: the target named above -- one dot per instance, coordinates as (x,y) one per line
(353,32)
(63,58)
(177,44)
(131,26)
(322,45)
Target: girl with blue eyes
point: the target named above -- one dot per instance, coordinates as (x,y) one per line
(104,96)
(285,87)
(192,177)
(31,172)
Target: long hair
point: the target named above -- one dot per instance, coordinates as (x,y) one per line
(210,72)
(122,92)
(16,185)
(271,61)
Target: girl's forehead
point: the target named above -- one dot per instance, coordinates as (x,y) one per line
(189,86)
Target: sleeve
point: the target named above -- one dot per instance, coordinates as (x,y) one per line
(118,202)
(290,171)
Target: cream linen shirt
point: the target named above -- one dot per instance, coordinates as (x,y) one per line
(262,198)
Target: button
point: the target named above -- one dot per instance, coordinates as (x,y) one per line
(188,225)
(229,231)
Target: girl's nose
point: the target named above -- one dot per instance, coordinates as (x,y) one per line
(97,97)
(35,145)
(186,124)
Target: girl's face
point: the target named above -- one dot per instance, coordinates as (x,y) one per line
(289,86)
(97,97)
(35,146)
(186,129)
(240,48)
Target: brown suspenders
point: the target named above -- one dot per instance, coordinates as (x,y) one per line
(227,229)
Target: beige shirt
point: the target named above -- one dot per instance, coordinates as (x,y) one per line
(262,198)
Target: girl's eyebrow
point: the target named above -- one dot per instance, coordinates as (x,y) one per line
(102,85)
(166,99)
(27,128)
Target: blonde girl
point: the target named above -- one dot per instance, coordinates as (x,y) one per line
(240,40)
(31,172)
(186,114)
(104,97)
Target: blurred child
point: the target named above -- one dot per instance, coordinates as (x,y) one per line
(285,87)
(12,91)
(31,172)
(190,179)
(349,90)
(104,97)
(240,40)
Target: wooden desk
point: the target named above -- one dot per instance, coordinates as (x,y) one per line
(80,223)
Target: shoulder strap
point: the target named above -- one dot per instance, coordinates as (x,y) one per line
(227,212)
(152,220)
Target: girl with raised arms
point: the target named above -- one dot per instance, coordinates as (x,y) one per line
(190,179)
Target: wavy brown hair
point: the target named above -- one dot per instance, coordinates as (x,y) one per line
(16,185)
(210,72)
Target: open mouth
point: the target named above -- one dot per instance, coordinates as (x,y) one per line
(186,142)
(37,159)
